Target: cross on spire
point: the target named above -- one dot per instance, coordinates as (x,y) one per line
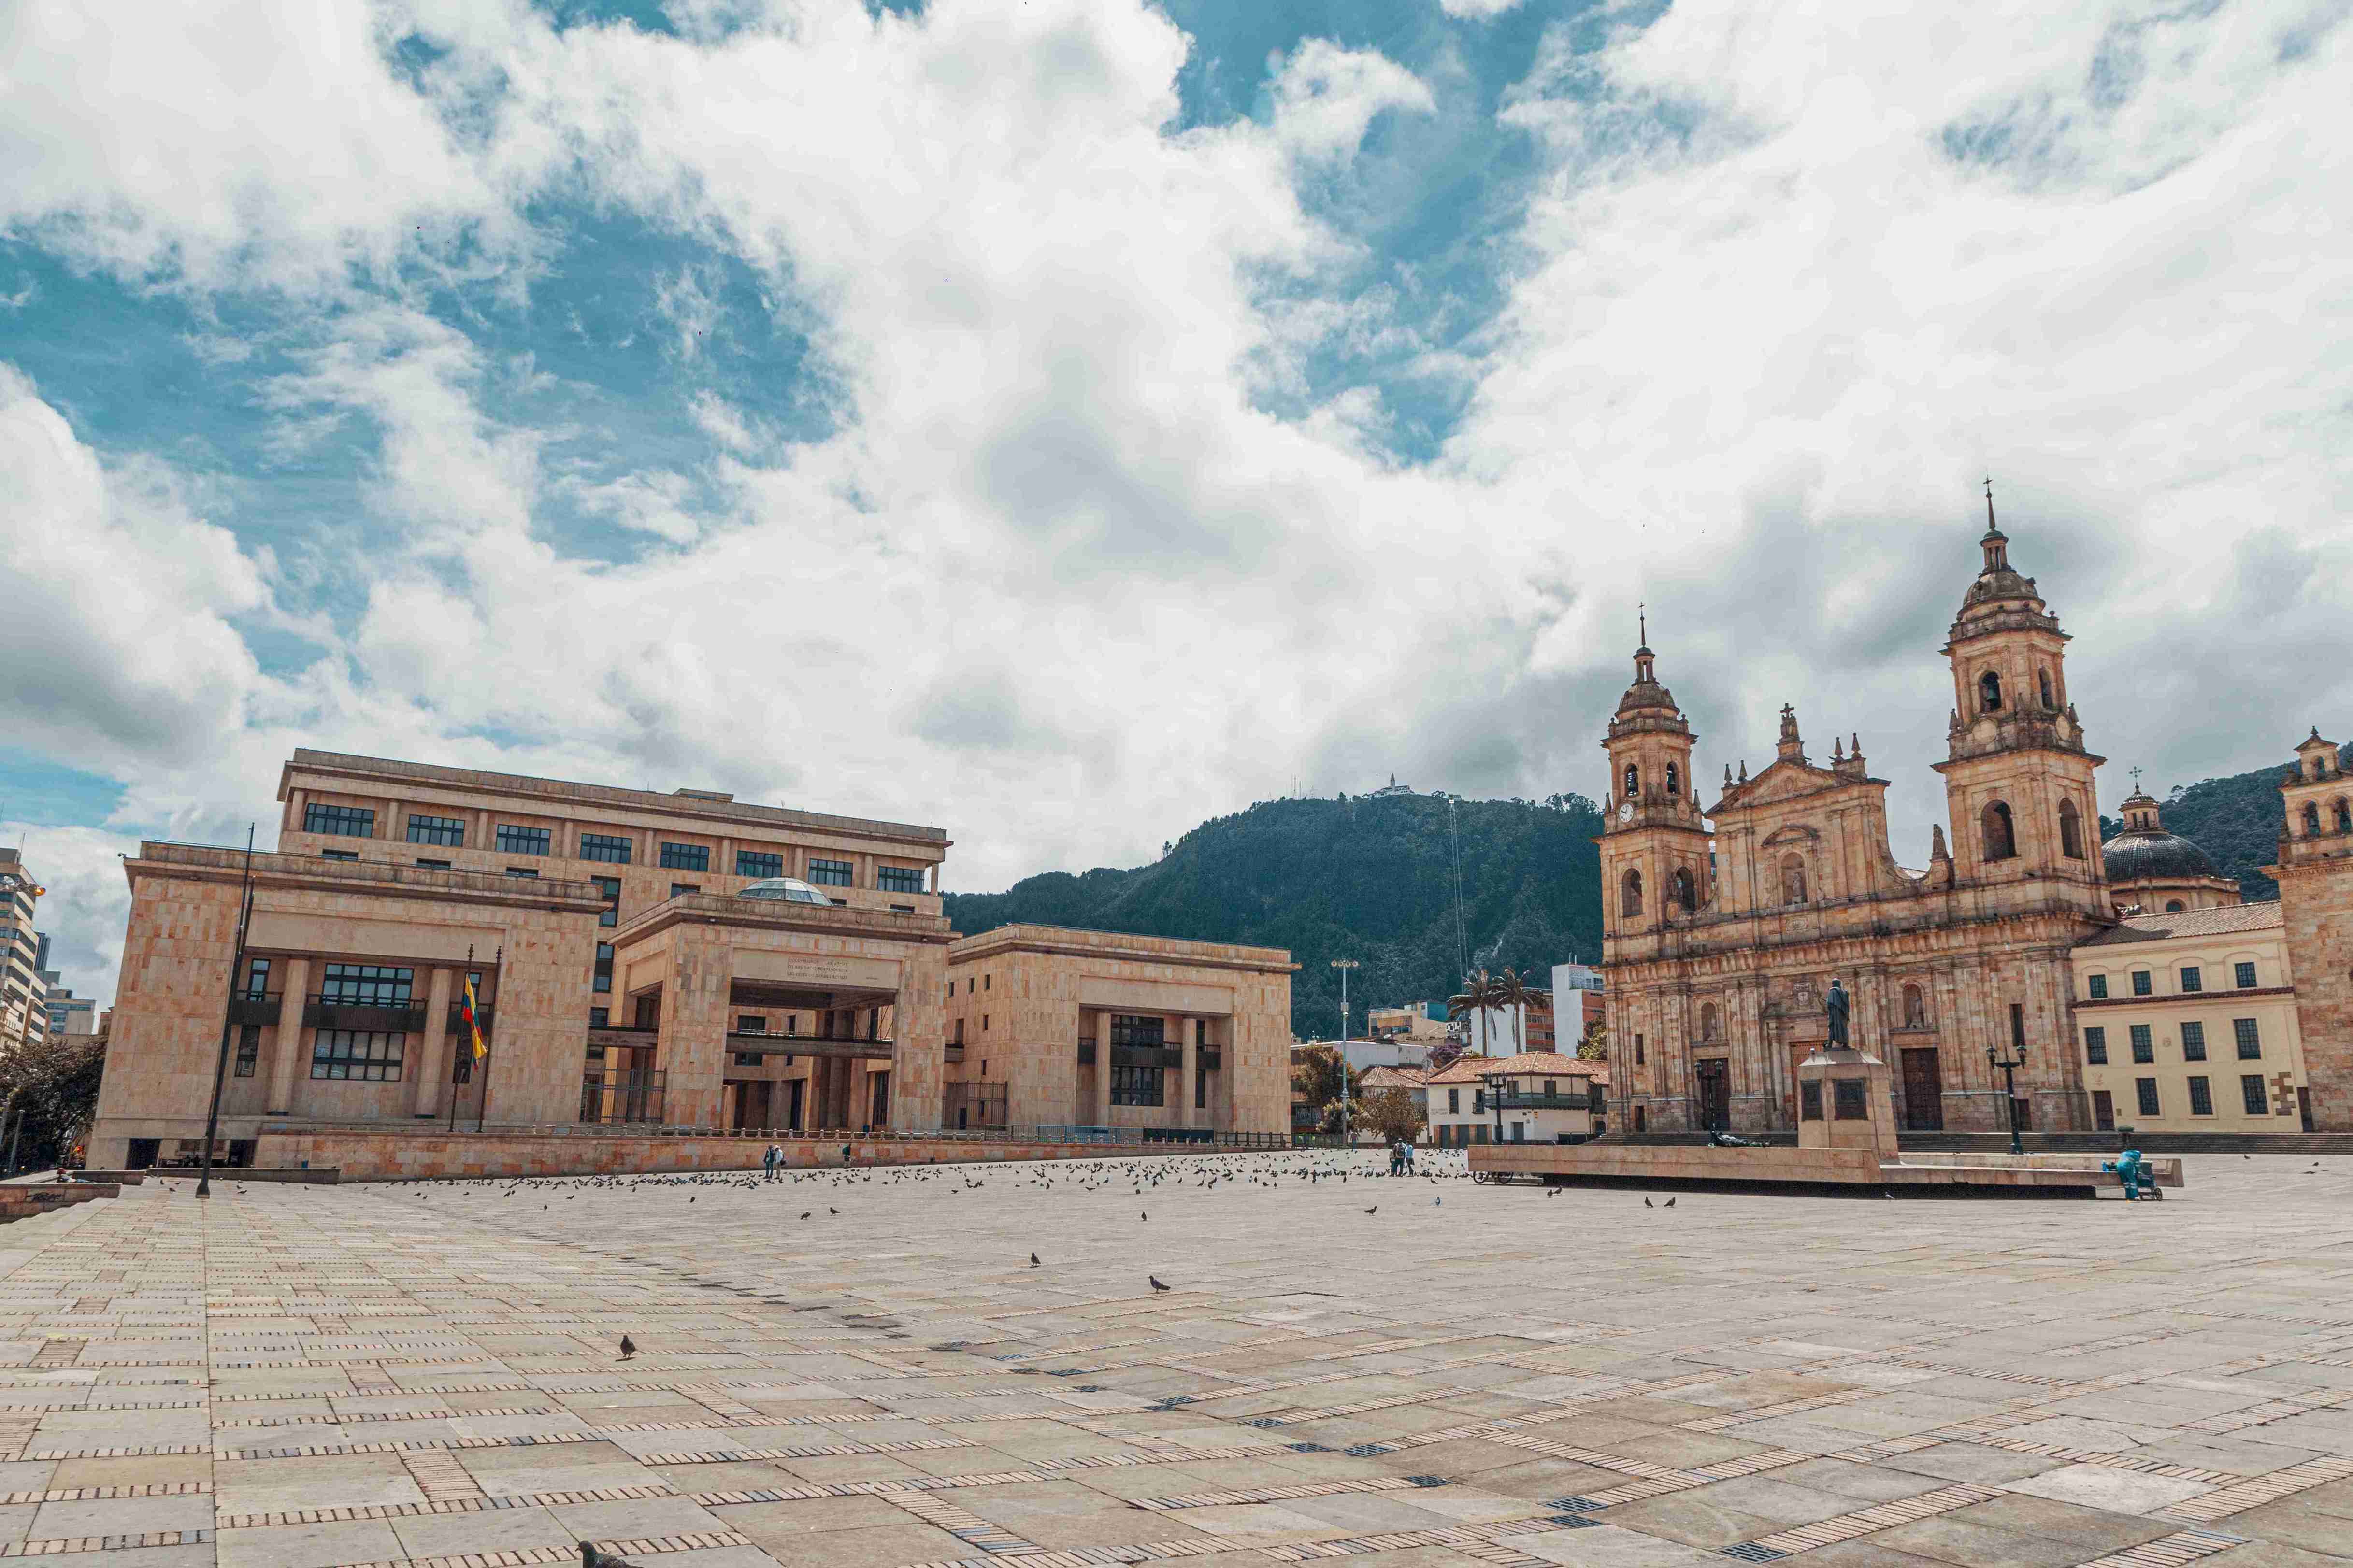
(2136,777)
(1642,620)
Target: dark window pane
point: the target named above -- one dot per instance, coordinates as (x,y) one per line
(686,857)
(356,1054)
(2143,1048)
(758,864)
(2191,980)
(2201,1097)
(2250,1090)
(2245,975)
(836,874)
(344,821)
(2096,1047)
(2193,1042)
(606,846)
(2141,983)
(2099,987)
(448,831)
(900,878)
(2251,1045)
(513,840)
(2145,1088)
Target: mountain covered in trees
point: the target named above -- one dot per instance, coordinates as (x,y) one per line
(1370,878)
(1373,877)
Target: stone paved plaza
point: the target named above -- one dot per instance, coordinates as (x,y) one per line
(291,1376)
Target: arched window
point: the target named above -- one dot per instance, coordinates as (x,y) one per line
(1675,780)
(1687,895)
(2001,838)
(1634,780)
(2173,906)
(1629,895)
(2311,817)
(1710,1022)
(1988,691)
(2344,817)
(1793,879)
(1916,1008)
(2049,701)
(2071,830)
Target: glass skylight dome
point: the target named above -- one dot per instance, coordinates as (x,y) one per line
(789,890)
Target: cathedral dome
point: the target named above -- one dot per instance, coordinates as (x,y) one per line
(2148,855)
(1646,691)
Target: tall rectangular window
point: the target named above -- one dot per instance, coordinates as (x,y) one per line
(2145,1088)
(611,887)
(367,986)
(599,1018)
(2251,1045)
(2017,1027)
(838,874)
(609,847)
(2142,983)
(2192,979)
(759,864)
(2193,1041)
(249,1049)
(2245,976)
(2143,1048)
(357,1054)
(343,821)
(514,840)
(900,878)
(603,979)
(2201,1097)
(1453,1102)
(686,857)
(1135,1086)
(2095,1045)
(256,980)
(2251,1093)
(2098,986)
(448,831)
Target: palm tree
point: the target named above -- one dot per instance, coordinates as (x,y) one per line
(1478,994)
(1513,992)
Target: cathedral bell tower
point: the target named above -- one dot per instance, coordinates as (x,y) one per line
(1654,843)
(2018,783)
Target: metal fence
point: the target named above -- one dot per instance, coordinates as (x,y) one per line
(1109,1137)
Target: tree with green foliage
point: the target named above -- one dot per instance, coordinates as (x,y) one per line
(1370,878)
(1316,1074)
(54,1081)
(1392,1114)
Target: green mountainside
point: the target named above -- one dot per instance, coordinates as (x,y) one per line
(1369,877)
(1372,878)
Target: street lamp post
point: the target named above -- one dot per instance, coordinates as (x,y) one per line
(2010,1061)
(1344,966)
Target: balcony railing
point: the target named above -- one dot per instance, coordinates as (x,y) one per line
(1510,1100)
(324,1013)
(252,1009)
(482,1018)
(616,1097)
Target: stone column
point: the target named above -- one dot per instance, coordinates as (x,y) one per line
(1102,1067)
(433,1061)
(1190,1063)
(289,1050)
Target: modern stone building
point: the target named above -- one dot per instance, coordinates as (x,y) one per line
(1052,1027)
(638,959)
(23,1010)
(1724,925)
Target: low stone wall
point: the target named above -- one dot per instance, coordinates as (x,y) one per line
(21,1201)
(1858,1168)
(316,1176)
(403,1155)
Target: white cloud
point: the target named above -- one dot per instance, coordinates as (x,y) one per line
(1478,10)
(1793,280)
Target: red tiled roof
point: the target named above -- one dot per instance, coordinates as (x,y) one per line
(1387,1076)
(1471,1069)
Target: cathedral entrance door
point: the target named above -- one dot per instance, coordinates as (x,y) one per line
(1715,1080)
(1923,1092)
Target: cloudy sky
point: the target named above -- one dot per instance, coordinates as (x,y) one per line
(1063,420)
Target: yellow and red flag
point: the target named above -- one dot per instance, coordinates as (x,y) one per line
(473,1024)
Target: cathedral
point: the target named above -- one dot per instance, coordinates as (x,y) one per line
(1725,925)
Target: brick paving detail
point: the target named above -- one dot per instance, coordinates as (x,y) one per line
(428,1376)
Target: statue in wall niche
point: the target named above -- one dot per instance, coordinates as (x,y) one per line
(1838,1007)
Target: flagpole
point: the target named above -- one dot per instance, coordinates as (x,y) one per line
(465,1044)
(482,1118)
(229,1013)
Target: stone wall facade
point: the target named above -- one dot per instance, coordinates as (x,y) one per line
(2316,883)
(1724,926)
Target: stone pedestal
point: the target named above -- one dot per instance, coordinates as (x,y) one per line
(1846,1100)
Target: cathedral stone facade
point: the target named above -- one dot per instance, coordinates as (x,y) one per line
(1724,926)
